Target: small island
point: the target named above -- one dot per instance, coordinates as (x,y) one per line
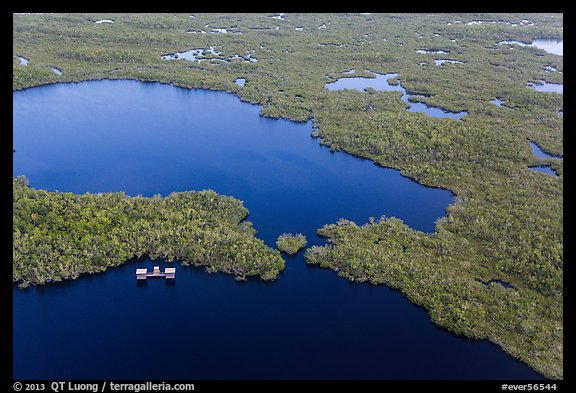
(291,244)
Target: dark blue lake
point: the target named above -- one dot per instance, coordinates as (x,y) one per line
(149,138)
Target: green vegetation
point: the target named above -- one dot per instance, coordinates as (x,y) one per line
(435,272)
(62,235)
(291,244)
(507,221)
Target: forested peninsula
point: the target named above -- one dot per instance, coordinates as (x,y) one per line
(63,235)
(506,223)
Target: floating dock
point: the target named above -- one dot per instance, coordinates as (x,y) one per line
(143,274)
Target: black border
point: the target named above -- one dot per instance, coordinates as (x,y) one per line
(293,6)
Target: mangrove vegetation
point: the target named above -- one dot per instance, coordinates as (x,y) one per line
(59,236)
(291,244)
(506,223)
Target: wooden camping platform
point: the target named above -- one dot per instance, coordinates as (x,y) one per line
(143,274)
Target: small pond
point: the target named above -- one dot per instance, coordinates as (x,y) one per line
(551,68)
(547,87)
(503,283)
(554,46)
(439,62)
(380,83)
(438,51)
(198,55)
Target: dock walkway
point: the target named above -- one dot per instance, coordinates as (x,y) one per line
(143,274)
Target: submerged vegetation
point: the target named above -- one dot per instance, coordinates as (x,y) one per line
(291,244)
(506,223)
(62,235)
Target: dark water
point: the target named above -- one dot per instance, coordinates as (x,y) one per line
(148,138)
(380,83)
(505,284)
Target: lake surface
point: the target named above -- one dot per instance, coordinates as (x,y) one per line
(149,138)
(380,83)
